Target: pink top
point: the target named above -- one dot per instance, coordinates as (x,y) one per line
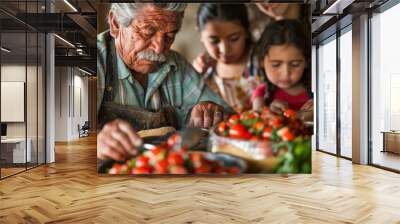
(295,102)
(259,91)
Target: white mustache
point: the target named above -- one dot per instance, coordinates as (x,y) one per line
(151,56)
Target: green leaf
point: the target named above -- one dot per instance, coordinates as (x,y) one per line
(306,167)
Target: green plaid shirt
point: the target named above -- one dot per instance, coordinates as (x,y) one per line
(177,81)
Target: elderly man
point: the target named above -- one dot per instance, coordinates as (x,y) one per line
(142,84)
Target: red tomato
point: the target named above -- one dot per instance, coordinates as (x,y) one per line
(266,113)
(234,170)
(141,170)
(115,169)
(155,154)
(142,161)
(155,151)
(177,170)
(173,140)
(286,134)
(161,166)
(162,155)
(289,136)
(197,159)
(246,135)
(282,131)
(203,169)
(234,119)
(239,131)
(221,127)
(289,113)
(220,170)
(255,138)
(175,158)
(276,122)
(267,132)
(259,125)
(252,115)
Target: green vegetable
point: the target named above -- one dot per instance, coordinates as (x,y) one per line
(298,157)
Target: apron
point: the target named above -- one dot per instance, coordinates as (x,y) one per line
(139,118)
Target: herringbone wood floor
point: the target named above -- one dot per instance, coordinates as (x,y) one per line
(9,171)
(70,191)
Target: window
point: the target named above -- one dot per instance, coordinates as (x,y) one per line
(346,95)
(327,95)
(385,88)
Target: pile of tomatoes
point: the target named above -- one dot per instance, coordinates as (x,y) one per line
(167,159)
(282,136)
(264,125)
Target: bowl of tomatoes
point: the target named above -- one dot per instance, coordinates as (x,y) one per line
(268,141)
(168,158)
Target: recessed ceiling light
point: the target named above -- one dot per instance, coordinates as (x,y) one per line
(70,5)
(64,40)
(84,71)
(5,49)
(337,7)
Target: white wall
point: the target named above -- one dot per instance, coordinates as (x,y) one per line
(187,41)
(13,73)
(33,127)
(69,85)
(81,83)
(61,103)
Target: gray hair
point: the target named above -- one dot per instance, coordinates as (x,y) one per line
(126,12)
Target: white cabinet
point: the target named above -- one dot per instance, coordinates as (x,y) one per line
(15,148)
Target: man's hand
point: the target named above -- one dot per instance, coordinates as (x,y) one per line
(279,106)
(117,140)
(206,114)
(203,62)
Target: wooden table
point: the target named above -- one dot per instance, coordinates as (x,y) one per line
(391,141)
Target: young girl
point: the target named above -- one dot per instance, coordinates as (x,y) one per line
(225,36)
(284,52)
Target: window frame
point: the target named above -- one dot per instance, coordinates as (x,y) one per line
(346,27)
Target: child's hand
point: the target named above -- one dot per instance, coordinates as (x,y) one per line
(306,112)
(309,105)
(203,62)
(258,103)
(279,106)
